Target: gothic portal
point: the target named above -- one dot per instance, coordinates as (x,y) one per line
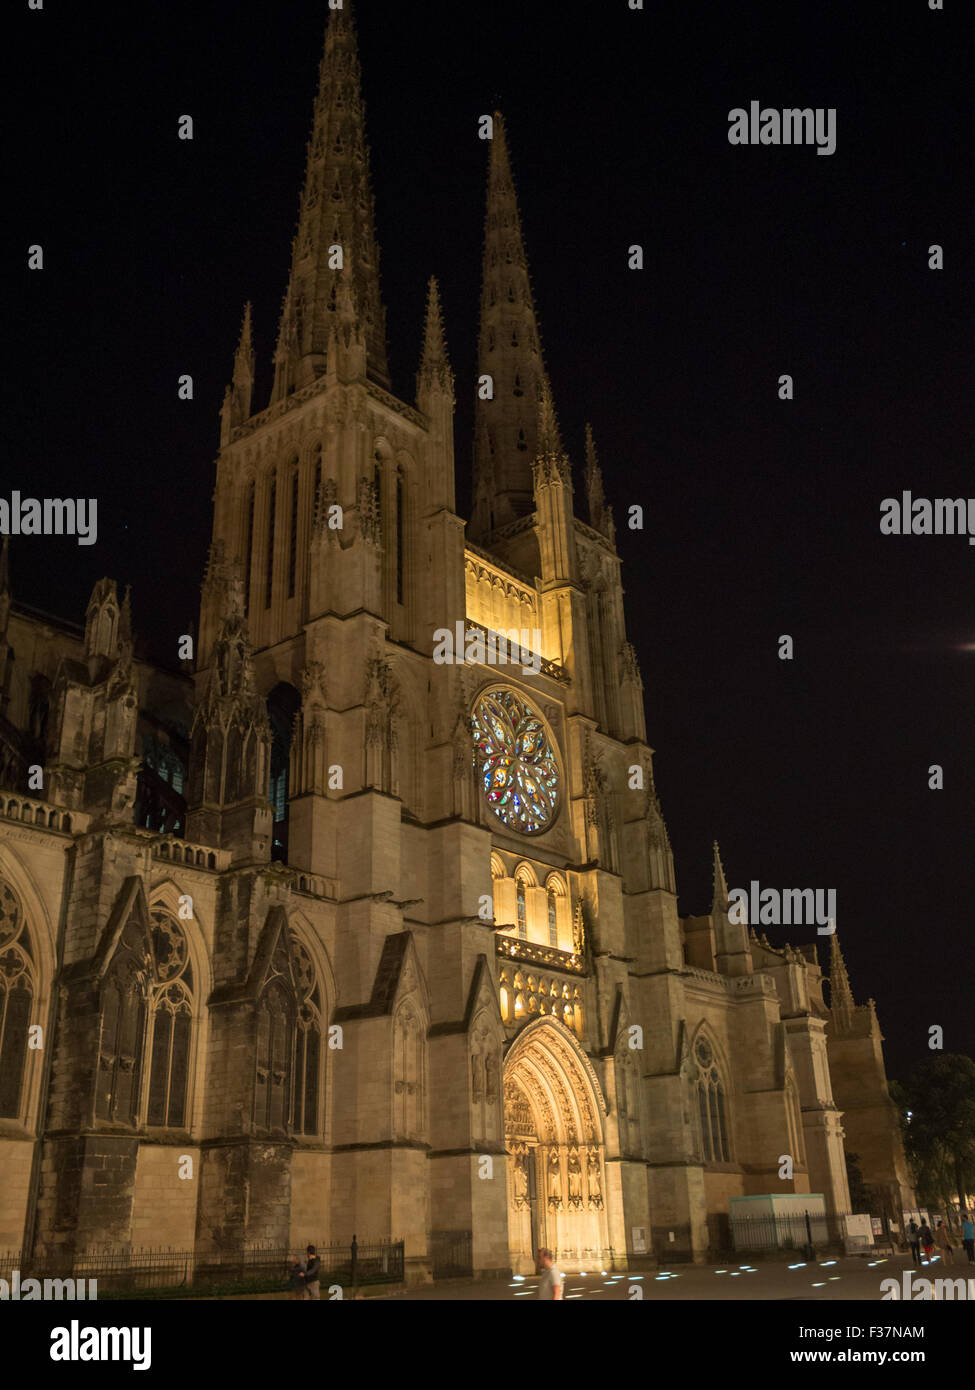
(554,1137)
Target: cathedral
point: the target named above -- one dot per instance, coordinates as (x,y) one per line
(340,927)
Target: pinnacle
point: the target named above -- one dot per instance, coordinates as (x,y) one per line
(549,441)
(719,898)
(125,616)
(592,462)
(434,363)
(600,514)
(244,356)
(840,993)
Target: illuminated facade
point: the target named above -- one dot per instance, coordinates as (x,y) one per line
(380,943)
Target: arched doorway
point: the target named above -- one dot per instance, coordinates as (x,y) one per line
(554,1137)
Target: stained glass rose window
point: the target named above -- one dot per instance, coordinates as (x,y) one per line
(515,761)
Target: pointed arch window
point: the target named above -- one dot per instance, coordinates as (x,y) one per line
(39,709)
(317,495)
(269,569)
(283,705)
(275,1053)
(553,918)
(377,482)
(171,1009)
(308,1042)
(400,506)
(408,1074)
(17,993)
(248,549)
(293,538)
(122,1029)
(522,910)
(711,1106)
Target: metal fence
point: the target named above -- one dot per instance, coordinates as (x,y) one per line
(452,1254)
(792,1231)
(142,1269)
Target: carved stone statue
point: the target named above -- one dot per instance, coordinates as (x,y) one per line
(554,1179)
(521,1179)
(491,1075)
(595,1185)
(575,1180)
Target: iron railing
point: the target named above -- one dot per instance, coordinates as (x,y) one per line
(452,1254)
(144,1268)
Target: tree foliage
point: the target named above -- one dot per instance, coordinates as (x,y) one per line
(937,1106)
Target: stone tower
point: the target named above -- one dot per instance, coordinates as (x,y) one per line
(860,1085)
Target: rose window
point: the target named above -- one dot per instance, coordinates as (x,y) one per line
(515,762)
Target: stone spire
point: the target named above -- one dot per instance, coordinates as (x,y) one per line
(237,398)
(600,514)
(840,994)
(732,953)
(719,897)
(434,375)
(509,352)
(335,248)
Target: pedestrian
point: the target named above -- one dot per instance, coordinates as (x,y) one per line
(926,1236)
(296,1278)
(913,1231)
(552,1282)
(942,1239)
(313,1267)
(968,1236)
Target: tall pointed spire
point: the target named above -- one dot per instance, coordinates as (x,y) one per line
(336,242)
(509,352)
(434,373)
(840,994)
(719,897)
(600,513)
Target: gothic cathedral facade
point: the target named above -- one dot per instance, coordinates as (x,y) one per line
(351,926)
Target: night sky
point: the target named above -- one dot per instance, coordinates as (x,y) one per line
(762,516)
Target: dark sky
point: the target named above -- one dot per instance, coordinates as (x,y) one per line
(762,516)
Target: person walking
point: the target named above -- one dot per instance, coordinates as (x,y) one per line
(968,1236)
(552,1282)
(913,1232)
(942,1239)
(926,1236)
(313,1267)
(296,1278)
